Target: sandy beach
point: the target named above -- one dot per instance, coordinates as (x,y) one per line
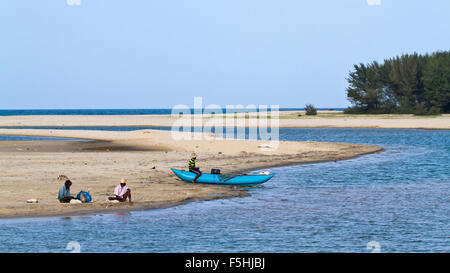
(287,119)
(30,168)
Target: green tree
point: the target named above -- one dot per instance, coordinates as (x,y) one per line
(406,81)
(436,79)
(366,86)
(410,83)
(310,110)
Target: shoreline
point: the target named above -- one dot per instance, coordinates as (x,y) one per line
(118,208)
(151,127)
(287,119)
(112,208)
(30,168)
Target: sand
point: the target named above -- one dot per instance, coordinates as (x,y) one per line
(288,119)
(29,169)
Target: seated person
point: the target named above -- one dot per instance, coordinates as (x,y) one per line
(121,192)
(193,168)
(64,192)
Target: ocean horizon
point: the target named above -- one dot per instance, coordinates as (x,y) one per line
(106,112)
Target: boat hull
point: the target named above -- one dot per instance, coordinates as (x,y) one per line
(223,179)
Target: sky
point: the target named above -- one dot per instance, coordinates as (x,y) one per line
(109,54)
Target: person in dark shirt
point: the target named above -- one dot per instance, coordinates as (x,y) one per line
(64,192)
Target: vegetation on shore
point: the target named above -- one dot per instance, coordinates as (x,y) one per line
(310,110)
(407,84)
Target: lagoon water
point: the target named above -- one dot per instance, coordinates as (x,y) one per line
(398,198)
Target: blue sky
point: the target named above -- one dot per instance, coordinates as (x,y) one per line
(156,54)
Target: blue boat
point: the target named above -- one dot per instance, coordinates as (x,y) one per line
(224,179)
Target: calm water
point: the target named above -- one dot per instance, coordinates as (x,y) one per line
(398,198)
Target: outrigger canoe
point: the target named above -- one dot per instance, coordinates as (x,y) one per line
(224,179)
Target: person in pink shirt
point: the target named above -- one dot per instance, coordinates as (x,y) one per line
(121,192)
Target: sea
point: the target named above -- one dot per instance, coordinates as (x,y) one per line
(101,112)
(396,200)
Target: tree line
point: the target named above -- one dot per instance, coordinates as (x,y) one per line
(407,84)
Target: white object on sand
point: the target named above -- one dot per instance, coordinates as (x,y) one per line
(32,200)
(113,201)
(265,173)
(75,201)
